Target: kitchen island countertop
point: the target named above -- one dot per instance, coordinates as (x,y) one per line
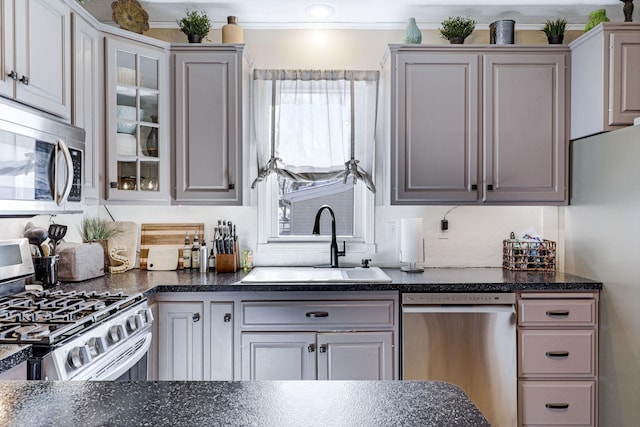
(246,403)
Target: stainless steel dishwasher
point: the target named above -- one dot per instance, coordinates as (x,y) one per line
(467,339)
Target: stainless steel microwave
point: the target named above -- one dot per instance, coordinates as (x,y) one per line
(41,163)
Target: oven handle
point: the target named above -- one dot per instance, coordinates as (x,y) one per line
(482,308)
(60,198)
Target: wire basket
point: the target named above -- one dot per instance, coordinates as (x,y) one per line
(529,256)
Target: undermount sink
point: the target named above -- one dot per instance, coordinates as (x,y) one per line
(316,275)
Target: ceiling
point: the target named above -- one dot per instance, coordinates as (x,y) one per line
(368,14)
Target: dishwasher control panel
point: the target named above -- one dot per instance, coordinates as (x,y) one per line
(458,298)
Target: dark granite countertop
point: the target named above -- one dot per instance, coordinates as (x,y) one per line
(247,403)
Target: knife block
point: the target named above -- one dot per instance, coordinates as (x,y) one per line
(226,263)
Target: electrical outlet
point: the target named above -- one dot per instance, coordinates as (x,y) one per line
(392,226)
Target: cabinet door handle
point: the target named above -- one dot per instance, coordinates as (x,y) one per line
(474,187)
(311,348)
(323,348)
(558,313)
(196,317)
(490,187)
(13,75)
(557,354)
(227,317)
(317,314)
(25,80)
(556,405)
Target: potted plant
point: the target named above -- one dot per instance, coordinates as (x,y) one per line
(456,29)
(195,25)
(555,30)
(99,230)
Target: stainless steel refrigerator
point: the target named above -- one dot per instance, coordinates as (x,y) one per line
(602,242)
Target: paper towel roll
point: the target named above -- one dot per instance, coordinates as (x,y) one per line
(411,240)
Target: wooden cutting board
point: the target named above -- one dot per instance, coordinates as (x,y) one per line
(166,236)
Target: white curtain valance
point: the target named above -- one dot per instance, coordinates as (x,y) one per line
(315,125)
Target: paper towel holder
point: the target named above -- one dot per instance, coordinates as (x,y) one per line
(411,245)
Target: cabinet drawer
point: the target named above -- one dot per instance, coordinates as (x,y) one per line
(324,314)
(557,353)
(557,312)
(557,403)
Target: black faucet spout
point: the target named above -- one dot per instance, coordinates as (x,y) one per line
(335,253)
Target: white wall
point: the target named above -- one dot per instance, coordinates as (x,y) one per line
(475,232)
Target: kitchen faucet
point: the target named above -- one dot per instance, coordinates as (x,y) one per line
(335,253)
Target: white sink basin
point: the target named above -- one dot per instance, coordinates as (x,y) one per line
(316,275)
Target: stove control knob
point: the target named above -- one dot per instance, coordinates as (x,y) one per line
(147,316)
(134,323)
(96,346)
(78,356)
(116,334)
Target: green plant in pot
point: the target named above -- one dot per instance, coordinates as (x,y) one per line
(554,30)
(195,25)
(99,230)
(456,29)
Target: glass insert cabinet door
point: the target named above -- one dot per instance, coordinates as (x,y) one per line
(137,142)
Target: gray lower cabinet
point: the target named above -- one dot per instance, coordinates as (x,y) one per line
(322,355)
(195,337)
(209,96)
(605,83)
(478,125)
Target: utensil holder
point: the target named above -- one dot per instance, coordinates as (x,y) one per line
(46,270)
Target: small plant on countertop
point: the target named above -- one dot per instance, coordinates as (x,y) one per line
(94,229)
(456,29)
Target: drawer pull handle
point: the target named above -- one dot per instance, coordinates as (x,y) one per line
(317,314)
(557,405)
(557,354)
(558,313)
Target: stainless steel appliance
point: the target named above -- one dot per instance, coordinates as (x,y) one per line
(74,335)
(41,163)
(467,339)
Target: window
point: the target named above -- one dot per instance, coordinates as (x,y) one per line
(314,132)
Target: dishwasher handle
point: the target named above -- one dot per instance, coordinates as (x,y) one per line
(480,308)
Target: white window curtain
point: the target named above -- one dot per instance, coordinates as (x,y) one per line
(313,125)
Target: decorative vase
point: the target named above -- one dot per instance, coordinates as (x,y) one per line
(194,38)
(231,31)
(627,9)
(412,34)
(555,38)
(456,40)
(596,17)
(502,32)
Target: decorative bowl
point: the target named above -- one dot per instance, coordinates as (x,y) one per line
(127,119)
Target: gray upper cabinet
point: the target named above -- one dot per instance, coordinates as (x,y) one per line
(478,124)
(209,90)
(605,83)
(35,52)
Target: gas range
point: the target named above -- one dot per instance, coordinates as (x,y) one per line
(77,335)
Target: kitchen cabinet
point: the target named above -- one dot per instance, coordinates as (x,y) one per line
(475,125)
(210,96)
(87,111)
(558,359)
(180,340)
(195,336)
(605,84)
(17,373)
(35,54)
(138,158)
(350,338)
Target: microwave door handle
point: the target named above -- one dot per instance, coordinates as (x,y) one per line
(69,179)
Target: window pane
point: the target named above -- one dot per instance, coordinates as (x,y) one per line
(298,203)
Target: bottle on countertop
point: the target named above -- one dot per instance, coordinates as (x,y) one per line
(204,261)
(195,253)
(186,253)
(212,258)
